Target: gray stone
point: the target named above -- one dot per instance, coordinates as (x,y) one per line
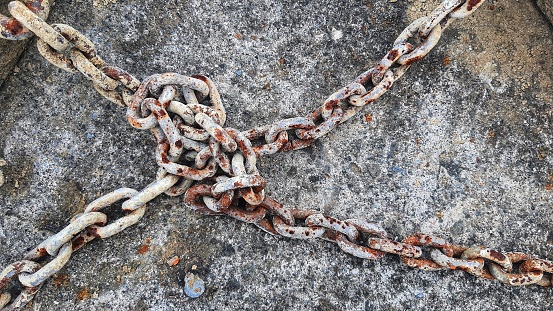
(9,50)
(546,6)
(460,147)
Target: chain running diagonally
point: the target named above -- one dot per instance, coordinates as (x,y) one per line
(187,117)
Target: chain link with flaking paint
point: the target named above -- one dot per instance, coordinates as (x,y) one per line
(186,117)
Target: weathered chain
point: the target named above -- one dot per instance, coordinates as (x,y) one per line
(186,117)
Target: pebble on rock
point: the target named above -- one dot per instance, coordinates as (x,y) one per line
(194,287)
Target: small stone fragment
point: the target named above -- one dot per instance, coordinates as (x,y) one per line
(2,179)
(173,261)
(194,287)
(336,34)
(143,249)
(3,162)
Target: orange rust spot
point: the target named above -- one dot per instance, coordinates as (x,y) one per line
(364,29)
(143,249)
(368,118)
(497,255)
(446,61)
(282,61)
(18,266)
(393,54)
(549,187)
(83,294)
(35,6)
(255,37)
(238,36)
(491,134)
(472,3)
(200,77)
(219,135)
(414,59)
(164,158)
(60,280)
(14,26)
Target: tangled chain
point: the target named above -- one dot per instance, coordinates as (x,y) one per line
(187,117)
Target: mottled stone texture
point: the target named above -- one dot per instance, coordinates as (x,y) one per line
(9,50)
(460,147)
(546,6)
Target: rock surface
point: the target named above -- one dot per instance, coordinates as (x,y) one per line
(546,6)
(9,50)
(460,147)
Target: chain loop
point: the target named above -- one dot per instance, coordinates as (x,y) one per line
(437,16)
(12,29)
(38,26)
(10,272)
(431,241)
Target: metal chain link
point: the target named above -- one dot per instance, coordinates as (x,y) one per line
(187,117)
(12,29)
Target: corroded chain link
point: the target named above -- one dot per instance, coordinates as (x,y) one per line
(12,29)
(187,117)
(66,48)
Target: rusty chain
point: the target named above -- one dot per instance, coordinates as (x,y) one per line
(187,117)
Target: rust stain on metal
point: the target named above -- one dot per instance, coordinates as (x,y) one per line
(472,3)
(13,27)
(394,53)
(497,255)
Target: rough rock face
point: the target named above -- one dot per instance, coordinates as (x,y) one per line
(546,6)
(9,50)
(460,147)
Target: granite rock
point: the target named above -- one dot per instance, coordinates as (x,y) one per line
(10,51)
(546,6)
